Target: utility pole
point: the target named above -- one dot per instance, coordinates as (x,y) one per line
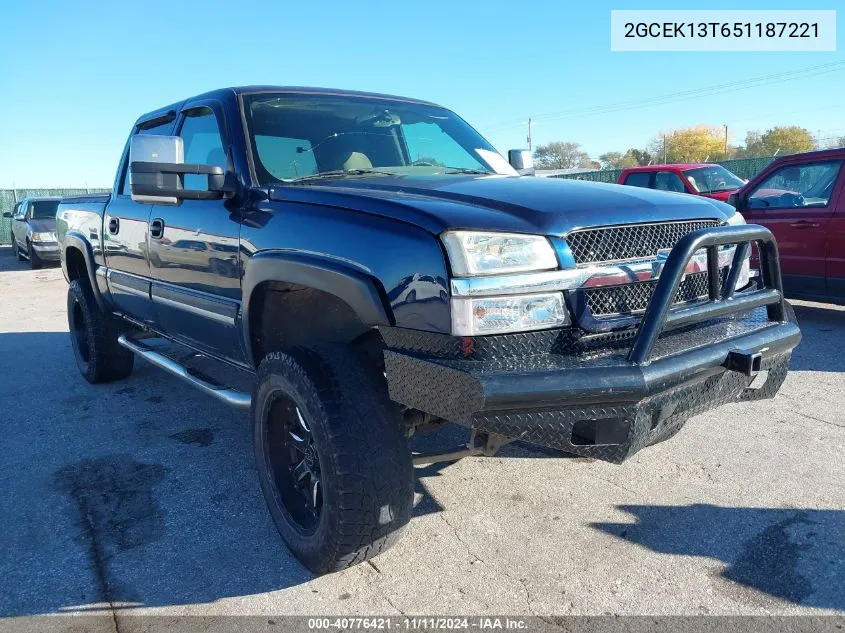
(529,134)
(664,149)
(726,139)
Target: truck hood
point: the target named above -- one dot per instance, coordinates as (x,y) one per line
(43,225)
(547,206)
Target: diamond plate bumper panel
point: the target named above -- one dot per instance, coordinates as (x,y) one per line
(537,391)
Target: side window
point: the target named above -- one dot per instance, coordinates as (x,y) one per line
(286,157)
(667,181)
(16,212)
(809,185)
(203,144)
(162,129)
(638,179)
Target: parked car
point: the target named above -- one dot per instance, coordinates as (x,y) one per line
(801,199)
(393,273)
(700,179)
(33,231)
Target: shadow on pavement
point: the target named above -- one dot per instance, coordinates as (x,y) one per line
(793,555)
(8,262)
(136,493)
(821,326)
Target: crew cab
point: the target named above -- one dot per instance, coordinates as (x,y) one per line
(801,199)
(33,230)
(376,268)
(700,179)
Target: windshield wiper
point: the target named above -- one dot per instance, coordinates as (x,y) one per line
(467,170)
(339,173)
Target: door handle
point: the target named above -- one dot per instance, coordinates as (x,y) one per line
(114,226)
(804,224)
(157,228)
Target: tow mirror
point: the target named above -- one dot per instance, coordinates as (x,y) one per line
(157,171)
(522,161)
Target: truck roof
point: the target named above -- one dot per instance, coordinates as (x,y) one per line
(838,152)
(671,166)
(239,90)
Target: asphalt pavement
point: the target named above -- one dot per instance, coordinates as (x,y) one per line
(141,497)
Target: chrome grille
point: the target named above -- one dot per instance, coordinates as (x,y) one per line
(632,241)
(634,298)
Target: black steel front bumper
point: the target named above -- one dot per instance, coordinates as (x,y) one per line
(607,396)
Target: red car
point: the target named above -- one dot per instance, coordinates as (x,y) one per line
(801,199)
(700,179)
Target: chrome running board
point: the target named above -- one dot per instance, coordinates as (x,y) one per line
(233,398)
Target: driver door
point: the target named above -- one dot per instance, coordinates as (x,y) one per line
(795,201)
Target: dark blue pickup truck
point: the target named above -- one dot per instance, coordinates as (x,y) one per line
(376,268)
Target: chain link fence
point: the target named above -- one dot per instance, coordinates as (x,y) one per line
(743,167)
(9,197)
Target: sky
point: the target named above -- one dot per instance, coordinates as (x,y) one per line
(74,76)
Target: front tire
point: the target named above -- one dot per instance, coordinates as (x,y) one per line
(93,337)
(34,260)
(333,461)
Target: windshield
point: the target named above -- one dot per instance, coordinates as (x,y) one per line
(300,136)
(712,179)
(43,209)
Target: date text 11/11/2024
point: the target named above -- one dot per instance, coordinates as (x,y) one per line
(420,623)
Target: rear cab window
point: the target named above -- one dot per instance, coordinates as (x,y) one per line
(638,179)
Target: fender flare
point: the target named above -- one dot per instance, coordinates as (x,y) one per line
(344,280)
(75,239)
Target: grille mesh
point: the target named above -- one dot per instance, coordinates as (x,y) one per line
(632,241)
(632,298)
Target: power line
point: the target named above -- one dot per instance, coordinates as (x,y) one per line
(801,73)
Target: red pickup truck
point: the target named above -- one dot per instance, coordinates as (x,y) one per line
(801,199)
(700,179)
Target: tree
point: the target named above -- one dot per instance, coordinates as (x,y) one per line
(560,155)
(631,158)
(782,139)
(640,156)
(611,160)
(690,145)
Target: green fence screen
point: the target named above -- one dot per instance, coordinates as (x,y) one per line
(8,198)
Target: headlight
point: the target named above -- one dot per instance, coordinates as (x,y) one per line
(736,219)
(475,253)
(43,237)
(745,274)
(515,313)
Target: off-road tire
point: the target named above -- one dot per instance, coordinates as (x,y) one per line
(93,337)
(367,476)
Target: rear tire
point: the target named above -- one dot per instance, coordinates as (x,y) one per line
(34,260)
(93,337)
(17,251)
(319,416)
